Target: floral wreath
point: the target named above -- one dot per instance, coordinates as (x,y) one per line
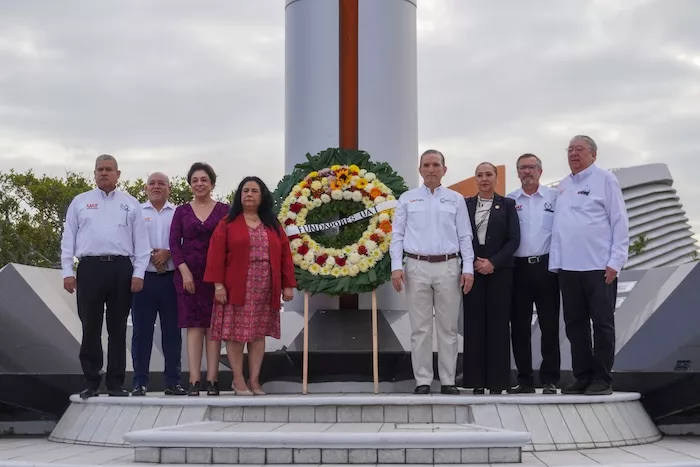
(337,209)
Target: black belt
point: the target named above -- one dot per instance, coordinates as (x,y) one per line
(160,273)
(531,259)
(108,258)
(432,258)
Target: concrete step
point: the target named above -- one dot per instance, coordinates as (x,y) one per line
(327,443)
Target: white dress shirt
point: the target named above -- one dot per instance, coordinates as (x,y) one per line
(536,215)
(590,230)
(158,226)
(428,223)
(99,224)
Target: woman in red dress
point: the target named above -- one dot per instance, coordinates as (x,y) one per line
(250,264)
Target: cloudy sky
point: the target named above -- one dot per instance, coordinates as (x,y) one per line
(160,84)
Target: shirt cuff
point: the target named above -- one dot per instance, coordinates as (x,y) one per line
(467,267)
(68,272)
(615,265)
(139,273)
(397,265)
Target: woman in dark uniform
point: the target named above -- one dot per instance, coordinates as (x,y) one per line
(496,232)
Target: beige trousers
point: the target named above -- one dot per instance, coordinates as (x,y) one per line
(433,286)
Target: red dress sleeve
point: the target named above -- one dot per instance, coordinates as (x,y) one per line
(215,271)
(288,279)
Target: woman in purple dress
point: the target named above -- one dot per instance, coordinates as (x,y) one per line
(191,229)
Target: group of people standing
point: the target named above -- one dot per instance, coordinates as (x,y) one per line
(499,256)
(220,272)
(216,270)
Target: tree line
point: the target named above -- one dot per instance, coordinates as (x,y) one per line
(33,211)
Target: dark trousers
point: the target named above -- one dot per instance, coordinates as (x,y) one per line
(99,283)
(486,356)
(534,284)
(587,298)
(157,298)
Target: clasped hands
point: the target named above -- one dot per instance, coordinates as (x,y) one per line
(483,266)
(159,258)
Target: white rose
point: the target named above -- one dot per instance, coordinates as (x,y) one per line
(330,261)
(291,215)
(356,196)
(369,176)
(297,258)
(370,245)
(354,258)
(325,198)
(362,172)
(309,256)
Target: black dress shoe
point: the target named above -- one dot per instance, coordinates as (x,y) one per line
(496,391)
(139,391)
(212,388)
(577,387)
(193,390)
(598,388)
(118,392)
(522,389)
(479,391)
(89,392)
(176,390)
(451,390)
(422,389)
(549,388)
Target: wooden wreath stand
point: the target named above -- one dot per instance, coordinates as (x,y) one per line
(375,345)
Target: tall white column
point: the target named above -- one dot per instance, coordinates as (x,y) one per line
(388,113)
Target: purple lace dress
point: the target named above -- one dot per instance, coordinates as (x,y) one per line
(189,242)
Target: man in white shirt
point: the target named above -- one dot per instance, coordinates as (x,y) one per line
(104,229)
(590,241)
(533,283)
(158,295)
(431,229)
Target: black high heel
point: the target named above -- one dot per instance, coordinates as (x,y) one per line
(193,390)
(212,388)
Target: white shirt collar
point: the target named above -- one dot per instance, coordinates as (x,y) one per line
(582,175)
(167,205)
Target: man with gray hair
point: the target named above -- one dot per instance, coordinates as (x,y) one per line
(533,283)
(104,229)
(590,241)
(158,297)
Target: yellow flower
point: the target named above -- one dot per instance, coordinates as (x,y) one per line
(315,269)
(361,183)
(353,168)
(313,174)
(345,271)
(335,272)
(303,184)
(335,168)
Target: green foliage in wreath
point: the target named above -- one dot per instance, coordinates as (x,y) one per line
(348,234)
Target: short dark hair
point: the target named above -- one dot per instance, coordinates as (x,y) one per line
(431,151)
(201,166)
(495,170)
(526,156)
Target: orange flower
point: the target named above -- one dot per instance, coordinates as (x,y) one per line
(375,192)
(385,226)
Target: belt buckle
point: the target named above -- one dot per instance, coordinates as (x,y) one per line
(533,259)
(107,258)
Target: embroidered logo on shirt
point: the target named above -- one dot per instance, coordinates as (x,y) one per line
(445,200)
(414,200)
(92,205)
(548,207)
(518,207)
(147,219)
(586,191)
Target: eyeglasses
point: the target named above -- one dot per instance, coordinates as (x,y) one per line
(523,168)
(571,149)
